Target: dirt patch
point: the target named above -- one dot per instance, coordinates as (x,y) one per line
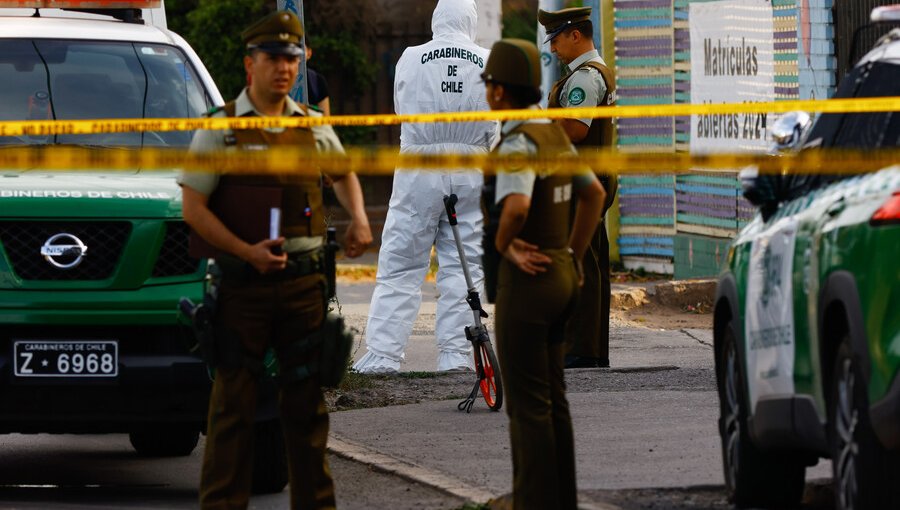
(665,305)
(360,391)
(656,316)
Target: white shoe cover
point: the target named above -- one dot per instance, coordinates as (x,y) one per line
(372,363)
(455,361)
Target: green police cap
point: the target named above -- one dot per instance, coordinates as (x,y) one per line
(557,21)
(279,33)
(514,62)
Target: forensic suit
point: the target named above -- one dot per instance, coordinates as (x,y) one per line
(439,76)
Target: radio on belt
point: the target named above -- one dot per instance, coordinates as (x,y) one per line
(81,4)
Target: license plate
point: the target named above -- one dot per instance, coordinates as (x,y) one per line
(66,358)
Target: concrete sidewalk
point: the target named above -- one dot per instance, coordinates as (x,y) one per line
(646,434)
(624,439)
(468,456)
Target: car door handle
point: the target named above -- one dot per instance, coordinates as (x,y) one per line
(837,207)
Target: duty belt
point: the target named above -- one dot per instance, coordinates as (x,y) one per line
(235,270)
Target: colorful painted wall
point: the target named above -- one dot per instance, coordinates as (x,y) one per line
(681,224)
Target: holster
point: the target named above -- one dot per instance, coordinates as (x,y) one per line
(491,258)
(330,264)
(204,329)
(334,342)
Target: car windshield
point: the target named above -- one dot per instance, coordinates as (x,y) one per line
(71,80)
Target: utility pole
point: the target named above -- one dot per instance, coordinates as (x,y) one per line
(549,62)
(300,91)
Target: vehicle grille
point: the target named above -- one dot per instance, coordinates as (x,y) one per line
(173,257)
(22,241)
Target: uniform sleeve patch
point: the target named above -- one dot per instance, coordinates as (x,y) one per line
(576,96)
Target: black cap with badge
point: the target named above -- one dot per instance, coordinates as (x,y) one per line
(279,33)
(557,21)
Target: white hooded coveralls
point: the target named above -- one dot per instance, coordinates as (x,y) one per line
(442,75)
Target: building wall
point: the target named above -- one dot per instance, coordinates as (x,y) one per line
(645,61)
(676,224)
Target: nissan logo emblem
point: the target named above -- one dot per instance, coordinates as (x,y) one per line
(64,251)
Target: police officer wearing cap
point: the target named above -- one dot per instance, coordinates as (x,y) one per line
(272,292)
(538,279)
(589,83)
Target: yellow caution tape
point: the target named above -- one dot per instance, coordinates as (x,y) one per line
(84,127)
(280,160)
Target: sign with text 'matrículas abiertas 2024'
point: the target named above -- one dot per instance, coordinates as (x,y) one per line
(732,61)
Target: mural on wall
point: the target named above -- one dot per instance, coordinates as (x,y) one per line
(731,54)
(644,75)
(732,61)
(682,223)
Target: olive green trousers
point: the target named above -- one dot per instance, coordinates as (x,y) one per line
(259,315)
(587,334)
(530,317)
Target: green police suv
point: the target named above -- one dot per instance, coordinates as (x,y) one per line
(807,318)
(93,263)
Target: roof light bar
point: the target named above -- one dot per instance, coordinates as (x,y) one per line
(81,4)
(885,14)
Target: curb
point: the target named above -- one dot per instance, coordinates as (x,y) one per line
(468,492)
(407,470)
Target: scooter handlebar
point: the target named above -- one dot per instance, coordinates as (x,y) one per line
(450,205)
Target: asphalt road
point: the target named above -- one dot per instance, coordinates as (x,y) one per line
(101,472)
(645,433)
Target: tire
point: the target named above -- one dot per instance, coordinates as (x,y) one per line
(864,473)
(270,469)
(753,478)
(164,441)
(491,385)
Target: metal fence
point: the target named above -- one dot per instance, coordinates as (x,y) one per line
(848,16)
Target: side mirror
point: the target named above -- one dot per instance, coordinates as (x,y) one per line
(761,190)
(789,131)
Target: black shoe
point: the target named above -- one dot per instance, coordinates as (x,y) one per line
(603,362)
(573,361)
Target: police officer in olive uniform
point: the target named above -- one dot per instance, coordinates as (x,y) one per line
(590,83)
(272,292)
(538,280)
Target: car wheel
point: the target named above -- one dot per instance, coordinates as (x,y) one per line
(753,478)
(165,441)
(865,474)
(270,469)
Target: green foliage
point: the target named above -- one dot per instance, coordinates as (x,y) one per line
(340,32)
(475,506)
(419,375)
(214,30)
(176,15)
(355,135)
(354,381)
(339,54)
(520,24)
